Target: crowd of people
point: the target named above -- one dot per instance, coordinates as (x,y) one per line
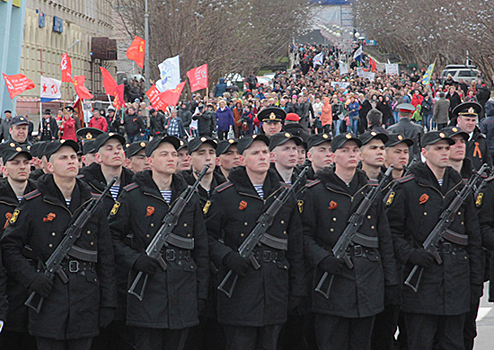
(261,254)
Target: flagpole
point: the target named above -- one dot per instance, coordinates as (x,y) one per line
(146,49)
(40,107)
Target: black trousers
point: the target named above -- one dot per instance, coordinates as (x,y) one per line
(298,333)
(73,344)
(207,335)
(341,333)
(160,339)
(470,327)
(423,330)
(385,328)
(17,341)
(251,338)
(117,336)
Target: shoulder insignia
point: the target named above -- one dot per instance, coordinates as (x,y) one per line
(114,210)
(312,183)
(224,186)
(131,187)
(206,207)
(478,200)
(14,217)
(390,199)
(32,195)
(300,205)
(406,178)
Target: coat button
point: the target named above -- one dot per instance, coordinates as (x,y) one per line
(152,224)
(245,223)
(185,224)
(88,232)
(284,232)
(188,235)
(50,245)
(282,222)
(372,227)
(459,213)
(331,229)
(462,223)
(147,236)
(334,219)
(369,217)
(53,234)
(241,235)
(92,243)
(425,213)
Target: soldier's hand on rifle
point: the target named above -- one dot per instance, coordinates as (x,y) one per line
(421,257)
(146,264)
(236,263)
(331,265)
(41,285)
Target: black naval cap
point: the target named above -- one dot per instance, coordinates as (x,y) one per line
(88,133)
(7,111)
(224,145)
(197,142)
(317,139)
(88,147)
(247,141)
(53,146)
(158,140)
(134,148)
(367,136)
(19,120)
(394,139)
(11,150)
(69,109)
(104,137)
(467,109)
(271,115)
(281,138)
(341,139)
(36,149)
(47,112)
(451,131)
(183,144)
(432,137)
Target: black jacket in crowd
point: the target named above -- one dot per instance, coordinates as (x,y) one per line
(50,130)
(413,213)
(133,124)
(71,310)
(261,297)
(327,205)
(206,123)
(171,297)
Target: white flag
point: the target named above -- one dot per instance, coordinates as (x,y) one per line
(170,74)
(50,89)
(344,68)
(318,59)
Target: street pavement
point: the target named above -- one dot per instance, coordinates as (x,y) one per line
(485,323)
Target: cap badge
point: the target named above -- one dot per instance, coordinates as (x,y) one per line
(231,141)
(62,141)
(181,143)
(143,144)
(348,136)
(373,133)
(28,148)
(272,116)
(455,130)
(18,149)
(254,136)
(325,136)
(203,139)
(21,118)
(89,136)
(400,137)
(287,135)
(441,135)
(127,145)
(471,110)
(12,144)
(111,134)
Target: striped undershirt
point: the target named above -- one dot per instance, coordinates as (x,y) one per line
(114,191)
(259,190)
(167,195)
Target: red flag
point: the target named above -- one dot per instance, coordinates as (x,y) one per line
(66,68)
(109,83)
(80,89)
(135,52)
(17,84)
(154,96)
(79,111)
(373,64)
(119,101)
(171,96)
(198,78)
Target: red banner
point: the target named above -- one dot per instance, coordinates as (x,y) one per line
(109,83)
(155,97)
(66,68)
(198,78)
(80,89)
(135,52)
(17,84)
(119,101)
(171,96)
(373,64)
(79,111)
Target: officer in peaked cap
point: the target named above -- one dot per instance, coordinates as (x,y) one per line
(407,128)
(272,120)
(88,133)
(465,117)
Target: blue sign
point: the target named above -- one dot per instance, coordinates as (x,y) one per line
(41,20)
(57,24)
